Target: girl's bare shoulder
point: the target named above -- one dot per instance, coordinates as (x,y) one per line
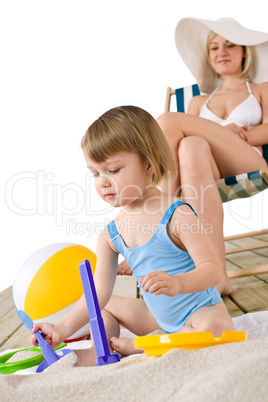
(104,240)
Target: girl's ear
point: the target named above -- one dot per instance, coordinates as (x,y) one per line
(150,170)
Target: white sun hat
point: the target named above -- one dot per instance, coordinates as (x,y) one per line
(191,41)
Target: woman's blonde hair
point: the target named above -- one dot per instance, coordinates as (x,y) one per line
(246,63)
(131,129)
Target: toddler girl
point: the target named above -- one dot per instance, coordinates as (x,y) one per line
(175,265)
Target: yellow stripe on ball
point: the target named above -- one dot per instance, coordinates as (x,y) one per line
(57,283)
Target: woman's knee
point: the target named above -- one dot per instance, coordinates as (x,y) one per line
(194,153)
(165,119)
(169,123)
(193,148)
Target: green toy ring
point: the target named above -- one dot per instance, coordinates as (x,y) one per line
(9,368)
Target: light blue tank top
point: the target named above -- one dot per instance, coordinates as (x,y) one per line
(160,253)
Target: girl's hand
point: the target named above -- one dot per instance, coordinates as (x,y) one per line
(54,336)
(161,283)
(124,268)
(240,131)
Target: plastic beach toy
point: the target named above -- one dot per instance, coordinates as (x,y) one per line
(48,283)
(11,367)
(157,345)
(50,355)
(96,322)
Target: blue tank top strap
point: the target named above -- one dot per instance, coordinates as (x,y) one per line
(112,230)
(171,209)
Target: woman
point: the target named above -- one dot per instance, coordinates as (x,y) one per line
(230,63)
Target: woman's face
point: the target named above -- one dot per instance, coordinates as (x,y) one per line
(225,57)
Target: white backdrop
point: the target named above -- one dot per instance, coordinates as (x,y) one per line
(63,63)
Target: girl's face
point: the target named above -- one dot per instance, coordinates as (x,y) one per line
(122,178)
(225,57)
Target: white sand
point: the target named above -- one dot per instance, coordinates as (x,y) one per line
(67,361)
(232,372)
(24,354)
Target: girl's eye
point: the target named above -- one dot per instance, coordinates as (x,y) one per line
(96,174)
(114,171)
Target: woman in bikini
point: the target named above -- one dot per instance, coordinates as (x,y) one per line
(230,63)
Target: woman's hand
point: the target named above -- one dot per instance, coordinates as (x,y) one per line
(54,335)
(159,282)
(240,131)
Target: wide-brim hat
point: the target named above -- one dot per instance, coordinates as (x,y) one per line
(191,40)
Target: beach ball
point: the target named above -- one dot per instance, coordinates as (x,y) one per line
(48,283)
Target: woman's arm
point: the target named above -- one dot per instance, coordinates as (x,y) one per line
(196,104)
(259,135)
(256,136)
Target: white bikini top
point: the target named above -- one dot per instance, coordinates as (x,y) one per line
(247,113)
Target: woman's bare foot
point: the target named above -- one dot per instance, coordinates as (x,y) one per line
(124,346)
(224,286)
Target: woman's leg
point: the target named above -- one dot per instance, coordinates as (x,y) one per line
(204,152)
(231,154)
(198,187)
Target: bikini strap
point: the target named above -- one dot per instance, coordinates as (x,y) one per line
(171,210)
(210,96)
(248,86)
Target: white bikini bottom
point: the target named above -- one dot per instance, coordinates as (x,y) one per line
(257,150)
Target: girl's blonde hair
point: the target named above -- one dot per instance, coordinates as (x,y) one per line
(131,129)
(246,63)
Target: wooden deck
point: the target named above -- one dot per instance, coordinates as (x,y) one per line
(250,293)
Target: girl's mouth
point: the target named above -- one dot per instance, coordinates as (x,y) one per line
(109,196)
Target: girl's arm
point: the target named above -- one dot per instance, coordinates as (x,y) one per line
(184,228)
(104,279)
(106,268)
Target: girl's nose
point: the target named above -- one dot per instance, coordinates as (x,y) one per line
(104,181)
